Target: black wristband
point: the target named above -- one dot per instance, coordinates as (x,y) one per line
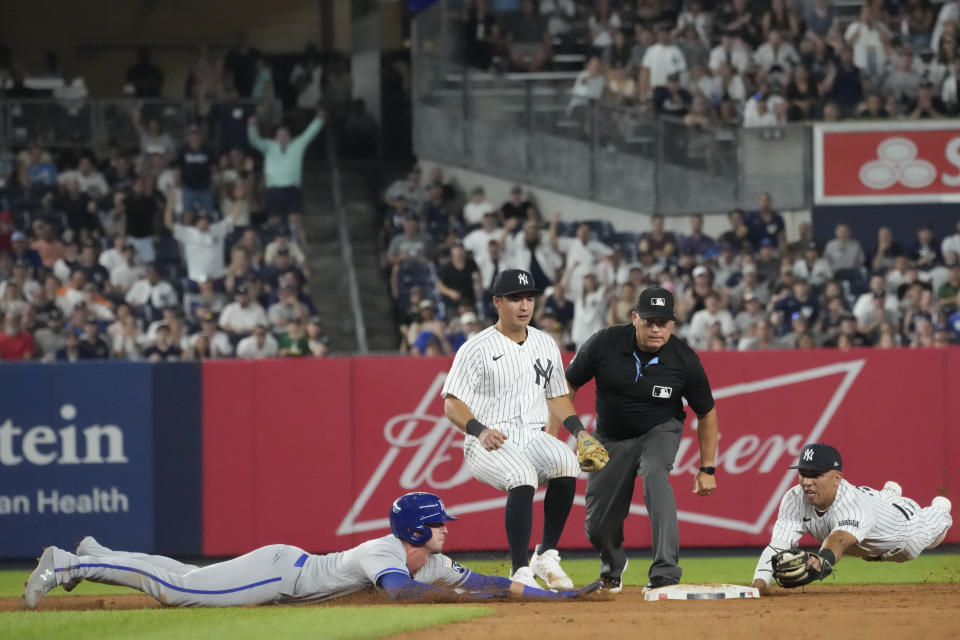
(708,470)
(828,556)
(573,424)
(474,427)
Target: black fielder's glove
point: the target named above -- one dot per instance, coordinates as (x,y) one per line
(792,568)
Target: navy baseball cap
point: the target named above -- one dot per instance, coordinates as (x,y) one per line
(512,281)
(819,457)
(655,302)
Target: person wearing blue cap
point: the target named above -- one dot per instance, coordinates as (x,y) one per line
(407,563)
(849,520)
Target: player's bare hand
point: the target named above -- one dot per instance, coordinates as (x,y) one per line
(704,484)
(491,439)
(761,586)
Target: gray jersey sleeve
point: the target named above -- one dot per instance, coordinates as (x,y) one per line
(442,571)
(381,558)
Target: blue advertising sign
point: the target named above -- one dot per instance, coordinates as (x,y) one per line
(76,456)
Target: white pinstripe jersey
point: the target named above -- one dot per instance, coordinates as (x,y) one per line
(879,521)
(506,384)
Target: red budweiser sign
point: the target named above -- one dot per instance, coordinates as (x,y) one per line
(876,163)
(390,422)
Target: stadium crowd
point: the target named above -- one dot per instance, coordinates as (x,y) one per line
(171,250)
(758,63)
(749,288)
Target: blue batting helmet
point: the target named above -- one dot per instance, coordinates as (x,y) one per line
(411,513)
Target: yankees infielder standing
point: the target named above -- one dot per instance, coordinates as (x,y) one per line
(408,565)
(857,521)
(502,384)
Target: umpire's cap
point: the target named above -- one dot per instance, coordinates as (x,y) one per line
(819,457)
(512,281)
(655,302)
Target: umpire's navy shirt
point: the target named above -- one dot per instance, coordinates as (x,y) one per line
(637,390)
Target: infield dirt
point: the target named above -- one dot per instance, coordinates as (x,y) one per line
(914,612)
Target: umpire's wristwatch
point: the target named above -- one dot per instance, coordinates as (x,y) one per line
(708,470)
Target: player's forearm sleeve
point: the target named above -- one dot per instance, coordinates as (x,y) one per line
(480,582)
(403,588)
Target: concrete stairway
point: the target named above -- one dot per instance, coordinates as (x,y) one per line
(328,286)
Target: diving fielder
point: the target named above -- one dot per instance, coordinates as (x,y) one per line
(847,520)
(502,384)
(407,564)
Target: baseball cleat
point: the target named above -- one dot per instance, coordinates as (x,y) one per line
(43,578)
(546,566)
(657,582)
(892,488)
(524,575)
(86,547)
(613,584)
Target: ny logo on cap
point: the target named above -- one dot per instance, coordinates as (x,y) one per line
(658,302)
(522,278)
(808,455)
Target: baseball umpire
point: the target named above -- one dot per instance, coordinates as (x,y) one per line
(503,383)
(407,564)
(642,374)
(846,520)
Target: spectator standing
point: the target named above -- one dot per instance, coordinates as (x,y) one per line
(459,280)
(870,40)
(145,77)
(766,223)
(259,345)
(203,244)
(659,62)
(142,211)
(283,170)
(196,172)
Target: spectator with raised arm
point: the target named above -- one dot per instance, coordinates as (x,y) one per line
(283,170)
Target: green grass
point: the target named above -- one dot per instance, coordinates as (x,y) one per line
(334,622)
(290,623)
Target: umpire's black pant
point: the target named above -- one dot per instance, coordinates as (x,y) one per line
(610,490)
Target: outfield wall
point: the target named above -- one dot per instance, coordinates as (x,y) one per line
(220,457)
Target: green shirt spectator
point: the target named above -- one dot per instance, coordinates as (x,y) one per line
(283,156)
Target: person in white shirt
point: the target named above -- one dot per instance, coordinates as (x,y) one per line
(90,181)
(529,246)
(949,12)
(849,520)
(811,267)
(219,341)
(582,254)
(477,207)
(113,257)
(477,240)
(661,61)
(203,243)
(242,316)
(951,243)
(410,189)
(259,345)
(489,263)
(764,110)
(589,309)
(124,275)
(730,51)
(698,333)
(588,86)
(870,40)
(775,55)
(151,290)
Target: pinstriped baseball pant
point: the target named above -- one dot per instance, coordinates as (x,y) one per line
(528,457)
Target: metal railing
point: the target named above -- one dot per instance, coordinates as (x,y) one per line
(526,128)
(90,123)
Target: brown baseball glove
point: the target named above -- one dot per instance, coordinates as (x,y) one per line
(591,455)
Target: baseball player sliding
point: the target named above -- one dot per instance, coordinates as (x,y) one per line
(502,384)
(408,565)
(847,520)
